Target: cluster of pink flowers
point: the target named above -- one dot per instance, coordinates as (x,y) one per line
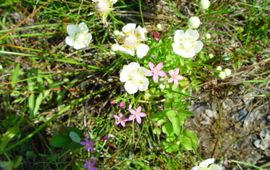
(156,72)
(135,115)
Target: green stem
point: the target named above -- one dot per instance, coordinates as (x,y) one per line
(141,13)
(63,110)
(246,164)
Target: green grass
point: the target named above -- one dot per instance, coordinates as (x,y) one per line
(47,87)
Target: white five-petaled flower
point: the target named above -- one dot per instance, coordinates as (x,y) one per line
(130,40)
(104,7)
(194,22)
(78,36)
(208,165)
(204,4)
(186,44)
(134,77)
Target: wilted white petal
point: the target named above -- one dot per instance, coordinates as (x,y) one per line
(142,50)
(206,163)
(228,72)
(131,87)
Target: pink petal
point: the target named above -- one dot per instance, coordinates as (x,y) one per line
(159,66)
(179,77)
(139,120)
(162,74)
(151,65)
(176,71)
(131,117)
(115,116)
(171,72)
(123,123)
(155,78)
(139,109)
(142,114)
(132,111)
(170,80)
(176,82)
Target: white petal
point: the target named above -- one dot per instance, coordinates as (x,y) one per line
(178,35)
(206,163)
(70,41)
(198,46)
(79,45)
(115,47)
(141,33)
(145,71)
(143,84)
(72,29)
(215,167)
(129,51)
(181,52)
(193,34)
(113,1)
(129,28)
(196,168)
(142,50)
(83,27)
(131,87)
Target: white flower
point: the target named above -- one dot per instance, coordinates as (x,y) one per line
(194,22)
(211,55)
(130,40)
(160,27)
(228,72)
(219,68)
(186,44)
(208,165)
(222,75)
(204,4)
(208,36)
(134,77)
(104,7)
(78,36)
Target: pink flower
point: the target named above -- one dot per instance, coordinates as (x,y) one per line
(120,119)
(175,77)
(137,114)
(121,105)
(156,71)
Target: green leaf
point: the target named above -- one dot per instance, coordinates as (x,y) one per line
(15,75)
(172,116)
(167,128)
(188,140)
(6,137)
(74,137)
(60,141)
(38,102)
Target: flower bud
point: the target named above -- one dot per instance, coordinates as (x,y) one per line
(204,4)
(194,22)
